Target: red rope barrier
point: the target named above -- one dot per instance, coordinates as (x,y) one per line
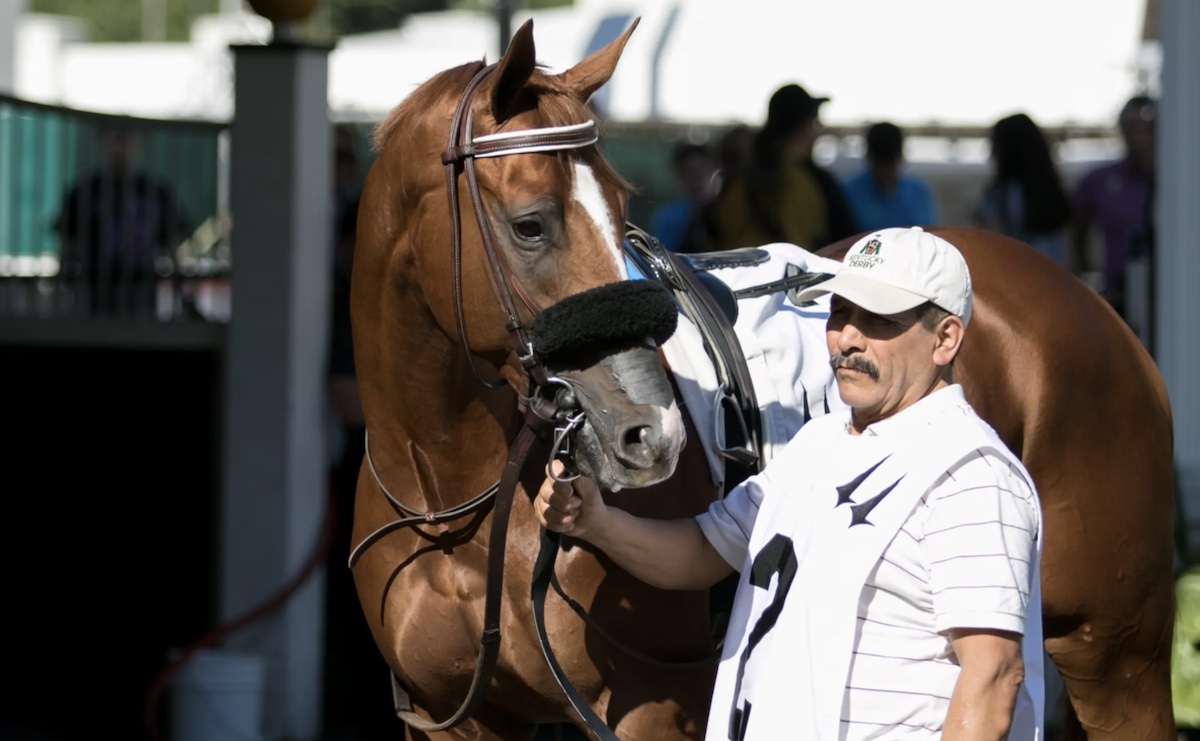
(316,559)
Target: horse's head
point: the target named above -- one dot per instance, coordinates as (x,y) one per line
(535,221)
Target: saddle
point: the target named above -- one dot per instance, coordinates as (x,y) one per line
(712,306)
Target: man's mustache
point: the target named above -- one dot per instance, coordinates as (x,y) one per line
(854,362)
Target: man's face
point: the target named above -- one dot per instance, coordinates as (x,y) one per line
(799,145)
(1138,131)
(882,363)
(885,172)
(120,148)
(695,178)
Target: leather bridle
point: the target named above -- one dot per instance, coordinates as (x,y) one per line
(462,150)
(542,412)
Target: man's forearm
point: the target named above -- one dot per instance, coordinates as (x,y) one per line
(669,554)
(981,707)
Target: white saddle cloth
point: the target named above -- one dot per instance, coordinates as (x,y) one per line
(784,347)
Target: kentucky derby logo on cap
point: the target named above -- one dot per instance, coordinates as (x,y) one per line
(868,255)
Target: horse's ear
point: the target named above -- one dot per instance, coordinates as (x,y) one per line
(586,77)
(513,71)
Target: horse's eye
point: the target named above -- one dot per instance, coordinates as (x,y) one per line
(529,230)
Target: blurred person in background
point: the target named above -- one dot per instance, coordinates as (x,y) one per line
(679,225)
(735,153)
(1025,198)
(783,196)
(117,227)
(882,195)
(1117,199)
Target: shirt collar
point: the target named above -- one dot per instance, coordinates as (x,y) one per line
(923,412)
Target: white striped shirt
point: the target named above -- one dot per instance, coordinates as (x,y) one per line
(961,560)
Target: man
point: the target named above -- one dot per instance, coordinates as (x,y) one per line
(783,196)
(1118,200)
(881,195)
(115,227)
(888,556)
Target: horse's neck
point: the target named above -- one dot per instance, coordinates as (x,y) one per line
(433,426)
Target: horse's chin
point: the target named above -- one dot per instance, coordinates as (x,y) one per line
(610,473)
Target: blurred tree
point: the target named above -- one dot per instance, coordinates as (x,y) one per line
(121,20)
(364,16)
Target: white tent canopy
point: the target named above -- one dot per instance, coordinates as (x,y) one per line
(704,61)
(914,62)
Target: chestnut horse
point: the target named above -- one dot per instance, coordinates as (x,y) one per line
(450,379)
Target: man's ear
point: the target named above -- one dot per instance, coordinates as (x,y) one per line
(948,338)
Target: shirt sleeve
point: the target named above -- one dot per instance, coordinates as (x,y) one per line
(728,522)
(979,542)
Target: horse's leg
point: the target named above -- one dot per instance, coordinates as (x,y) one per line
(653,720)
(1109,632)
(660,719)
(487,724)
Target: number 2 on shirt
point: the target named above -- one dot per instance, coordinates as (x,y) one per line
(778,556)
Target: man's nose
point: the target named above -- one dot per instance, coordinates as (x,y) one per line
(849,338)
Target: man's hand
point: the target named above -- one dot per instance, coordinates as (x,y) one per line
(574,508)
(669,554)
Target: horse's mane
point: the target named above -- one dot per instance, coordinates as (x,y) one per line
(557,104)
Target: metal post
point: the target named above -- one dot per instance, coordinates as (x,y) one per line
(1177,249)
(504,22)
(274,478)
(10,14)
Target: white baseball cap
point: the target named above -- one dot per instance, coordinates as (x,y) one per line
(894,270)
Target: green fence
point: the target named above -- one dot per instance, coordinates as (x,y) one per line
(45,150)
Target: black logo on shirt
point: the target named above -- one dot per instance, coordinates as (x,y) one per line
(860,510)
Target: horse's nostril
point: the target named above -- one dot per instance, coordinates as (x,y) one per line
(635,436)
(642,446)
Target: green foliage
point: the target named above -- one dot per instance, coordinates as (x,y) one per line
(121,20)
(490,5)
(1185,661)
(363,16)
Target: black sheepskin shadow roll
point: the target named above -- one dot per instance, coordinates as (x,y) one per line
(580,330)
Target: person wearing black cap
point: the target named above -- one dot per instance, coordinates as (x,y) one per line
(784,196)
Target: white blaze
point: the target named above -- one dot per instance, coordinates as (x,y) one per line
(591,198)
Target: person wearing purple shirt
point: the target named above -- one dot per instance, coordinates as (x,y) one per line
(1117,200)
